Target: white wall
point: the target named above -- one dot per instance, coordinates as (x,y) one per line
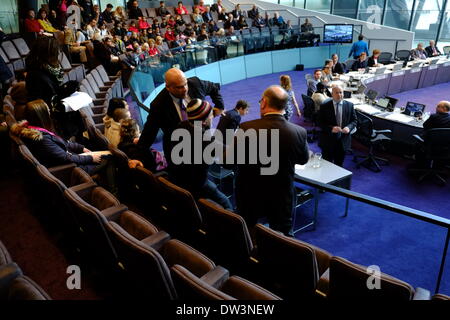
(370,31)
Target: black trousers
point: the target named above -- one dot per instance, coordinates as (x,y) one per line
(334,154)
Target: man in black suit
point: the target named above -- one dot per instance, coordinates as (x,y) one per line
(162,10)
(168,109)
(337,118)
(441,119)
(432,50)
(264,194)
(253,12)
(337,67)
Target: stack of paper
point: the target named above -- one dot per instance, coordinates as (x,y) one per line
(399,117)
(367,108)
(77,101)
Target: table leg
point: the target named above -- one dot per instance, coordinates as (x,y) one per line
(316,207)
(346,206)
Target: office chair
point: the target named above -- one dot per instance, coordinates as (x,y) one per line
(385,58)
(446,49)
(369,137)
(349,63)
(403,55)
(309,112)
(436,148)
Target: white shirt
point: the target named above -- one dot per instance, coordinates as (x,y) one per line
(176,102)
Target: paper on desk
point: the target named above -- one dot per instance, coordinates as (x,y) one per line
(300,167)
(399,117)
(77,101)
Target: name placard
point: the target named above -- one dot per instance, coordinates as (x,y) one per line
(381,77)
(369,80)
(433,67)
(398,73)
(446,64)
(415,70)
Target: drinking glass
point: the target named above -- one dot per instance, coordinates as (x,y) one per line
(316,160)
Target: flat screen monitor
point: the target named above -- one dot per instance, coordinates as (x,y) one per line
(371,94)
(392,101)
(413,107)
(383,103)
(338,33)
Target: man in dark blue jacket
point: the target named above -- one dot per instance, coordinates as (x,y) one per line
(232,119)
(441,119)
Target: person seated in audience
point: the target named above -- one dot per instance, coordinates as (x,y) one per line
(312,83)
(201,7)
(119,15)
(237,12)
(419,53)
(277,20)
(197,16)
(373,60)
(253,12)
(143,36)
(31,24)
(169,35)
(194,177)
(231,120)
(307,26)
(112,119)
(44,22)
(327,77)
(163,48)
(53,19)
(179,20)
(120,44)
(119,30)
(163,23)
(104,51)
(230,32)
(152,49)
(432,50)
(38,133)
(143,24)
(162,11)
(319,96)
(259,22)
(242,24)
(286,84)
(171,22)
(230,22)
(44,72)
(207,16)
(91,29)
(440,119)
(203,36)
(107,15)
(220,9)
(96,12)
(212,27)
(188,29)
(361,63)
(75,47)
(181,9)
(104,32)
(132,27)
(135,12)
(338,67)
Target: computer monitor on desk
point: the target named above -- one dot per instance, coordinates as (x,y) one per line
(392,102)
(416,64)
(434,61)
(412,108)
(371,94)
(383,103)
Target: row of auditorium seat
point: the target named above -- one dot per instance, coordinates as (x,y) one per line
(14,285)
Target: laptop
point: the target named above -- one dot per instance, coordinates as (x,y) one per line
(380,70)
(434,61)
(397,67)
(347,94)
(371,94)
(383,103)
(392,102)
(412,108)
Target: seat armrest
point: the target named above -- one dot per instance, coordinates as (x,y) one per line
(323,284)
(162,174)
(418,138)
(112,213)
(216,277)
(8,273)
(63,170)
(382,131)
(98,102)
(83,187)
(101,95)
(422,294)
(157,240)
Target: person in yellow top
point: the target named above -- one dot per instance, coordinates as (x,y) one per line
(44,22)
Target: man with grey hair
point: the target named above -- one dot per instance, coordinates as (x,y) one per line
(441,119)
(337,118)
(270,195)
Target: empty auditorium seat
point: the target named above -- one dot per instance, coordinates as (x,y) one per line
(99,103)
(5,257)
(181,214)
(117,78)
(348,281)
(103,92)
(95,129)
(225,230)
(14,286)
(13,55)
(216,285)
(115,89)
(7,62)
(289,267)
(21,47)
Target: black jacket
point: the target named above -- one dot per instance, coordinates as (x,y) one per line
(135,13)
(370,62)
(429,51)
(271,195)
(41,85)
(327,120)
(338,68)
(359,65)
(252,13)
(163,113)
(230,120)
(437,120)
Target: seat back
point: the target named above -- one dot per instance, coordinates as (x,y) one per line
(85,85)
(349,281)
(102,72)
(225,230)
(403,55)
(308,107)
(21,46)
(446,49)
(182,215)
(5,257)
(385,57)
(364,128)
(98,79)
(437,143)
(289,266)
(10,50)
(349,63)
(23,288)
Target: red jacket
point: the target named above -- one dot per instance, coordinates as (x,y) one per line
(170,36)
(181,10)
(32,25)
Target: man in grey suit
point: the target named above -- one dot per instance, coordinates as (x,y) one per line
(271,195)
(337,119)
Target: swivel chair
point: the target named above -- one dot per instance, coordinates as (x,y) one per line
(369,137)
(403,55)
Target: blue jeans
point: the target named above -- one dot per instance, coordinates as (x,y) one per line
(210,191)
